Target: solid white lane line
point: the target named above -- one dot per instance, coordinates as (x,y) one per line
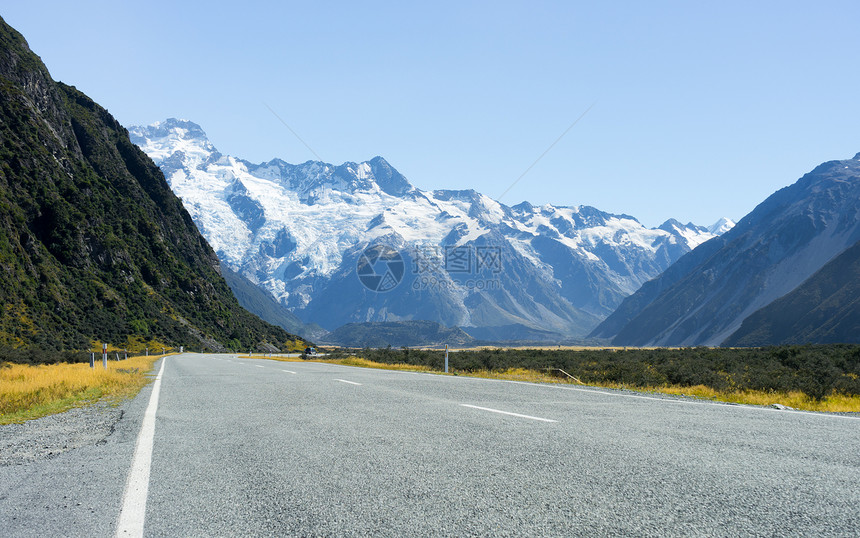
(345,381)
(133,513)
(509,413)
(288,371)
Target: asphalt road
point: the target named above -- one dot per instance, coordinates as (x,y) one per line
(259,447)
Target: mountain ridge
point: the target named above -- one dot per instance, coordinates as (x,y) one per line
(705,296)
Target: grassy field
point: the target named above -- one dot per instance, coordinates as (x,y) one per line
(28,392)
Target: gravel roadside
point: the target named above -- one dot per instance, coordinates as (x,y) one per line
(49,436)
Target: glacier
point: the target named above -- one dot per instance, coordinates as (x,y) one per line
(298,230)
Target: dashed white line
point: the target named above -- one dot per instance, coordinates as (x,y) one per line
(345,381)
(133,513)
(509,413)
(288,371)
(258,366)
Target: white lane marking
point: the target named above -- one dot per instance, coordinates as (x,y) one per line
(258,366)
(345,381)
(288,371)
(133,513)
(509,413)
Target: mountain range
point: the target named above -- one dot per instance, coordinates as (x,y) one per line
(94,246)
(316,235)
(102,241)
(786,273)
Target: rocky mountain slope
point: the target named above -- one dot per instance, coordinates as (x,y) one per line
(824,309)
(707,294)
(93,243)
(463,259)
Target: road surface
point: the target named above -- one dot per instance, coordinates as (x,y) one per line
(255,447)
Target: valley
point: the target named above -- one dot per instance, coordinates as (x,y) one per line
(485,368)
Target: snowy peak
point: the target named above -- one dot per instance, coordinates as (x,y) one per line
(175,141)
(389,180)
(297,230)
(164,139)
(172,127)
(721,226)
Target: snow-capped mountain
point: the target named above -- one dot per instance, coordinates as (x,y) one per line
(301,231)
(721,226)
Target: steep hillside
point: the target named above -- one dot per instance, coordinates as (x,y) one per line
(824,309)
(93,243)
(300,231)
(706,295)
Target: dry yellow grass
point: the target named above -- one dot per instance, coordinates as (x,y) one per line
(364,363)
(348,361)
(519,374)
(835,403)
(28,392)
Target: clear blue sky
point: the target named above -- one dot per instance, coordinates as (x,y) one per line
(700,111)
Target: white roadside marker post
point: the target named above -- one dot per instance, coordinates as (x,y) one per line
(93,359)
(446,358)
(104,355)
